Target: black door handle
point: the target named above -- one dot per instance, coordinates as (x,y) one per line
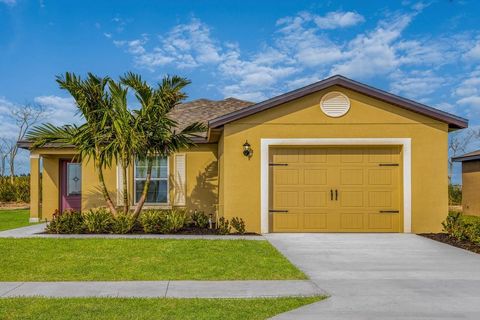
(331,194)
(336,194)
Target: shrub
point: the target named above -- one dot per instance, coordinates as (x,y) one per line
(454,225)
(454,194)
(19,190)
(67,222)
(98,220)
(175,220)
(123,223)
(238,224)
(199,219)
(152,221)
(223,226)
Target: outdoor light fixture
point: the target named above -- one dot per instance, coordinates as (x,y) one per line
(247,149)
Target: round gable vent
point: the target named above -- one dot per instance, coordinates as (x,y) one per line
(335,104)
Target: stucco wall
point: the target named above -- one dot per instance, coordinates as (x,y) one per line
(471,187)
(367,118)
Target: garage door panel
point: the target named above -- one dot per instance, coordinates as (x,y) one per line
(315,155)
(380,176)
(351,176)
(351,199)
(381,221)
(285,177)
(315,221)
(352,221)
(286,222)
(380,199)
(286,199)
(315,199)
(351,155)
(315,176)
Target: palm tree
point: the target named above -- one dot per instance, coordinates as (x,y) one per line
(92,137)
(159,133)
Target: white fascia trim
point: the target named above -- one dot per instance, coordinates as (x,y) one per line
(407,169)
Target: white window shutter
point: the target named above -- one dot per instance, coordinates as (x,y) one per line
(179,178)
(119,185)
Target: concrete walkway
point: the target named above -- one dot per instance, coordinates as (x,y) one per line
(384,276)
(37,231)
(162,289)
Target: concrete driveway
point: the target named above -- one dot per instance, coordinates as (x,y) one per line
(384,276)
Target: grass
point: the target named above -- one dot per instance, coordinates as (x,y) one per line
(136,308)
(40,259)
(11,219)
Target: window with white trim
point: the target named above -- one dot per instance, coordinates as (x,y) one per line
(158,190)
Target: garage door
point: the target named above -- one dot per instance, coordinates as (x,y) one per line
(336,189)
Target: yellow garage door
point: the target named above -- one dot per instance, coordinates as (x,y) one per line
(336,189)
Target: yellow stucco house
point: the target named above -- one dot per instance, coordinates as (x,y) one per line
(470,182)
(334,156)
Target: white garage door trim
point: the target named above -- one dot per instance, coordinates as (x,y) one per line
(407,169)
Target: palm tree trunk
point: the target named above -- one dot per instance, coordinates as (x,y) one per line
(103,188)
(143,197)
(126,202)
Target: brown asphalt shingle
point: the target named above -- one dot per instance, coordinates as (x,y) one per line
(203,110)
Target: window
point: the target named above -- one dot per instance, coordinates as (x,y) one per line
(74,179)
(158,190)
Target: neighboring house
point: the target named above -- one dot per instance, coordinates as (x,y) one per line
(334,156)
(470,182)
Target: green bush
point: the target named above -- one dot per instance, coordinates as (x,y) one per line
(175,219)
(152,221)
(98,220)
(18,191)
(462,227)
(238,224)
(123,223)
(454,194)
(199,219)
(66,222)
(223,226)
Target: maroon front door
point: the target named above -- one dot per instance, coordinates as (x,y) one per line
(70,185)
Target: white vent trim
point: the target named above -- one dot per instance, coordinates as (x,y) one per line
(335,104)
(180,179)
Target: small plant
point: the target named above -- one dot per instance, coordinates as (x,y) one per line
(123,223)
(175,220)
(455,226)
(223,226)
(152,221)
(199,219)
(66,222)
(238,224)
(98,220)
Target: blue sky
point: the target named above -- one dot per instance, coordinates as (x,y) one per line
(427,51)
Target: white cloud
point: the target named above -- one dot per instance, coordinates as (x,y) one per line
(416,84)
(9,2)
(338,19)
(60,110)
(474,53)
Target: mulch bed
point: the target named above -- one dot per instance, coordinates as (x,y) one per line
(445,238)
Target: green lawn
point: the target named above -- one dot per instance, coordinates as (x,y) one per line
(11,219)
(116,308)
(40,259)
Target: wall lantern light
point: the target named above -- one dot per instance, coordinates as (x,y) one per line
(247,149)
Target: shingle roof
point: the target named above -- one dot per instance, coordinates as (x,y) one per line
(474,155)
(204,110)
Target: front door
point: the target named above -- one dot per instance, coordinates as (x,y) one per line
(336,189)
(70,185)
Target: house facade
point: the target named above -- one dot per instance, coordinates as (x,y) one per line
(334,156)
(470,182)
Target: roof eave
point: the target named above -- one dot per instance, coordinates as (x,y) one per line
(453,121)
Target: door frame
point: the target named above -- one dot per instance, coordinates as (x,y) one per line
(265,144)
